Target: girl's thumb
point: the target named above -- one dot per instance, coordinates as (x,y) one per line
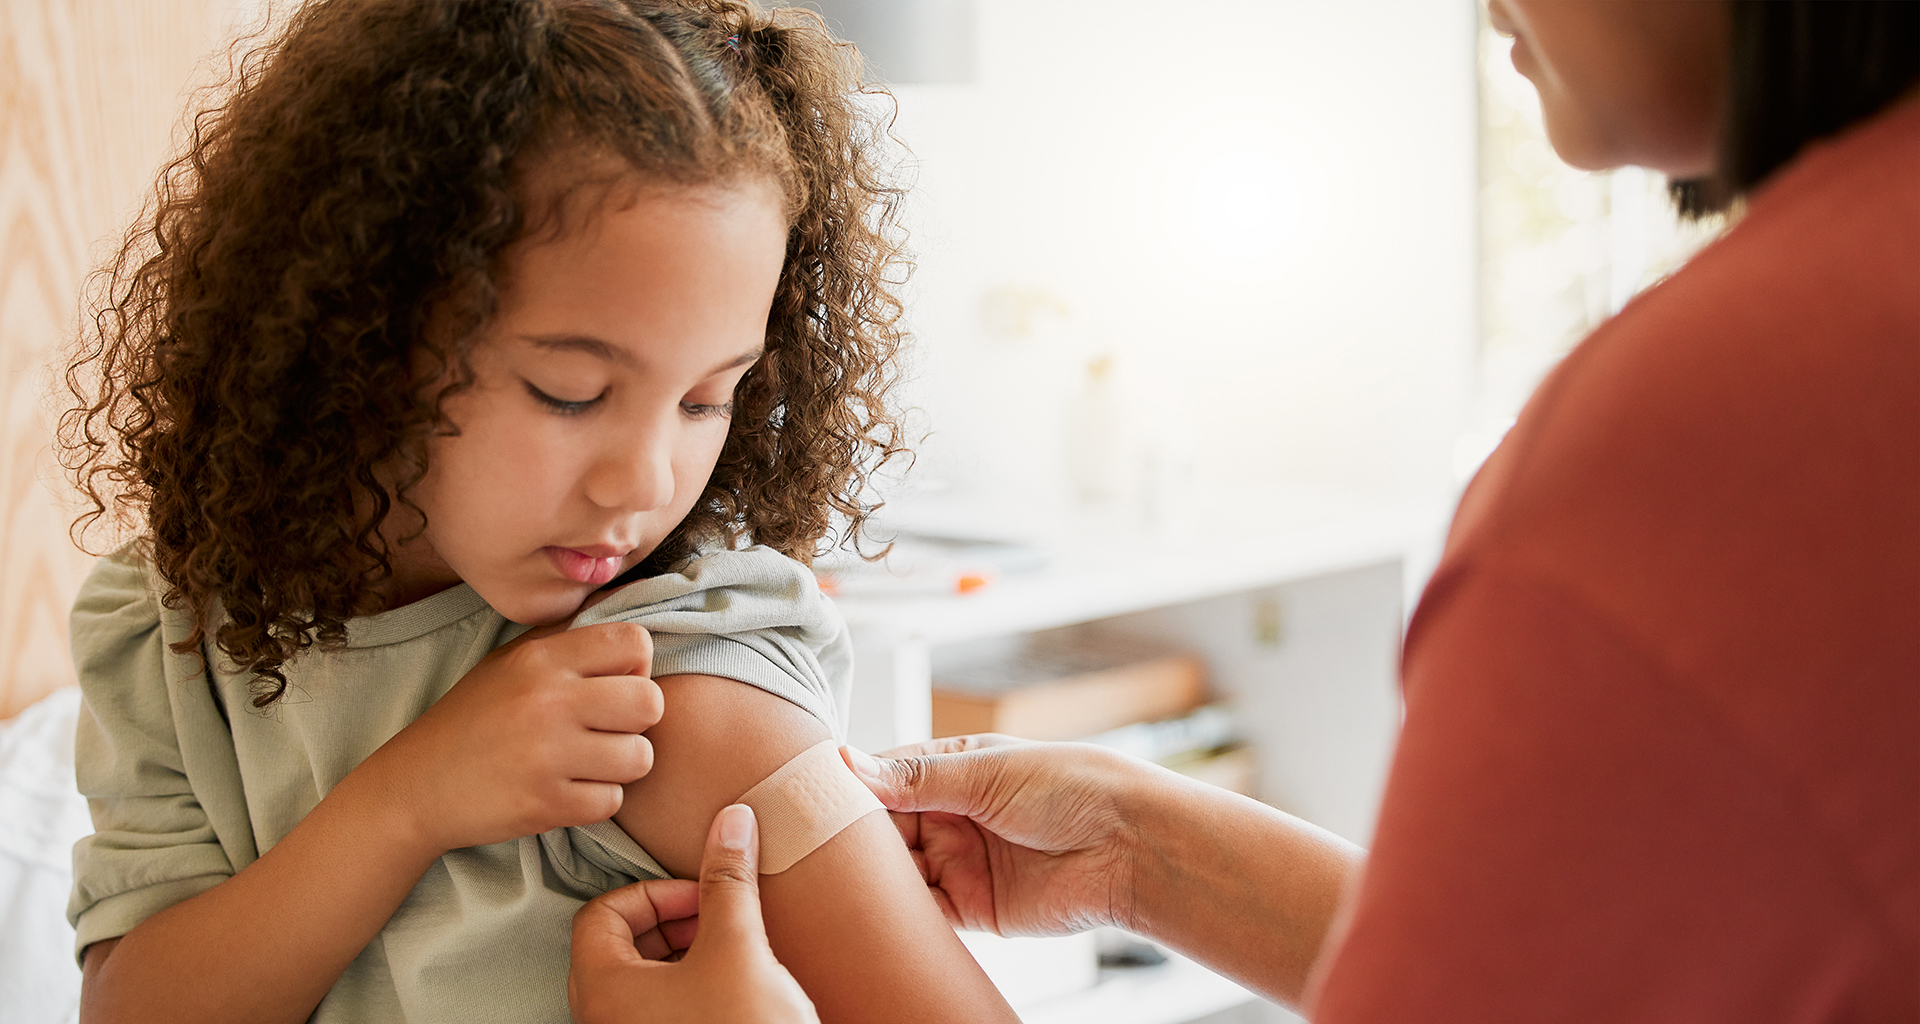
(730,881)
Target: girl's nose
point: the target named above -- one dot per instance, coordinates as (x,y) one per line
(635,476)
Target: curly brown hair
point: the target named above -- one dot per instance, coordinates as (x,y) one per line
(252,372)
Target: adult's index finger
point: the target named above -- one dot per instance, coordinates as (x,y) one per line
(605,928)
(602,936)
(956,783)
(954,745)
(650,904)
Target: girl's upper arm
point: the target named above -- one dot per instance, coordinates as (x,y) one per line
(853,920)
(92,962)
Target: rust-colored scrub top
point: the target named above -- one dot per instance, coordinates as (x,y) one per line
(1661,759)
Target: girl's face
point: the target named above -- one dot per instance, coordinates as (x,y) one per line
(601,399)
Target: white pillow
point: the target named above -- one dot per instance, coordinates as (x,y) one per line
(41,816)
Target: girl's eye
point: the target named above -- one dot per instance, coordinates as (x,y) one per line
(561,405)
(695,410)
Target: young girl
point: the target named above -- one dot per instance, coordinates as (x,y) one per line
(455,317)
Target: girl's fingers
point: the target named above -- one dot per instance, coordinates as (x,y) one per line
(618,703)
(606,649)
(615,757)
(586,802)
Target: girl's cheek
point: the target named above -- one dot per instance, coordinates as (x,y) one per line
(710,452)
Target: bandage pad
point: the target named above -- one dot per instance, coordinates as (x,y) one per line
(806,802)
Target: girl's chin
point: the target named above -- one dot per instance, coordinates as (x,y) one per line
(556,602)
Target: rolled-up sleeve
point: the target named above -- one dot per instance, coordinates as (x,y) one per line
(153,844)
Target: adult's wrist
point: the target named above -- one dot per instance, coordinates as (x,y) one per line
(1155,808)
(1234,883)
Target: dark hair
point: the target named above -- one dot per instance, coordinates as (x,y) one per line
(1798,71)
(259,381)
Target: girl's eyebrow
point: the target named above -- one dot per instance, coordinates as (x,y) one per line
(615,354)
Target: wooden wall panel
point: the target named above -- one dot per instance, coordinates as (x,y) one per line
(91,92)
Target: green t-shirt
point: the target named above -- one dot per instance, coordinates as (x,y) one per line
(189,784)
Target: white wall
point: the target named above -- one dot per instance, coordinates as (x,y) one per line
(1262,209)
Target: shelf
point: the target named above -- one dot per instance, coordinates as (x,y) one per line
(1173,993)
(1095,573)
(1295,602)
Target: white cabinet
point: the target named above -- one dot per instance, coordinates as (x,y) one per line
(1299,622)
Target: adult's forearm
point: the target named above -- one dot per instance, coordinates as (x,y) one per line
(266,945)
(1244,888)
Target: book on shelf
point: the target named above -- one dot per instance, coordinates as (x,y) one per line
(1203,744)
(1097,687)
(1205,728)
(1231,768)
(1065,684)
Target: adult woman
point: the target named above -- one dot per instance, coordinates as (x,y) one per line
(1662,746)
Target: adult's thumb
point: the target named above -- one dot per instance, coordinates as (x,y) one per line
(730,882)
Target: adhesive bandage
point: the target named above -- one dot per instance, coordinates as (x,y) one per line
(804,803)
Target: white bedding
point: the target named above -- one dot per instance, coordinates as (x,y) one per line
(41,817)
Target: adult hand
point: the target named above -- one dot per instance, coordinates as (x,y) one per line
(1014,837)
(541,734)
(625,944)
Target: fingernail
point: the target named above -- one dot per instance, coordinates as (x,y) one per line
(736,826)
(861,763)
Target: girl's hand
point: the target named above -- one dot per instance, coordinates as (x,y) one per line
(1013,837)
(725,969)
(541,734)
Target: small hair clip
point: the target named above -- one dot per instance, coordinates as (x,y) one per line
(733,42)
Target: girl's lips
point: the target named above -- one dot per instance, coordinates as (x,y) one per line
(584,568)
